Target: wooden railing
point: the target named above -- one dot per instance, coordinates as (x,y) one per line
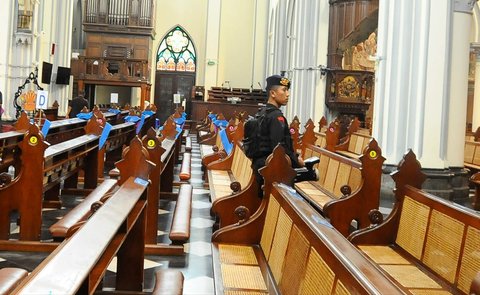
(101,68)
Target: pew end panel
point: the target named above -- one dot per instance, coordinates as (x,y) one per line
(365,199)
(432,238)
(295,251)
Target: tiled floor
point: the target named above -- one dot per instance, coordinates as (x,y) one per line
(196,264)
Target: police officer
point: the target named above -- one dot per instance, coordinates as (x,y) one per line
(274,128)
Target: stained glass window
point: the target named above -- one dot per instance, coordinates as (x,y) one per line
(176,52)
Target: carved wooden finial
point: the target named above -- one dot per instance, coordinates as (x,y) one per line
(278,161)
(134,162)
(409,172)
(332,135)
(169,129)
(322,123)
(94,126)
(23,123)
(309,135)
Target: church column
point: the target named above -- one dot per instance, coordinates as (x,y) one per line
(476,94)
(460,55)
(414,84)
(212,44)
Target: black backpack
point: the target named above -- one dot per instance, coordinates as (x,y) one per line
(252,135)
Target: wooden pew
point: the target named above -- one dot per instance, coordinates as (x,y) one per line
(80,264)
(475,180)
(232,181)
(43,168)
(471,156)
(10,278)
(288,248)
(161,152)
(347,189)
(355,142)
(234,133)
(427,244)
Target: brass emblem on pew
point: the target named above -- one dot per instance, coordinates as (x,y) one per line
(151,143)
(33,140)
(373,154)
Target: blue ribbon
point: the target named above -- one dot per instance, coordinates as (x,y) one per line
(84,116)
(46,127)
(104,136)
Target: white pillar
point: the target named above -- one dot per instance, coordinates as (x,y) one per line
(460,52)
(411,87)
(212,44)
(476,93)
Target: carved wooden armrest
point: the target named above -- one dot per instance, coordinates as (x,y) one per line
(242,213)
(346,190)
(235,186)
(215,148)
(5,179)
(375,216)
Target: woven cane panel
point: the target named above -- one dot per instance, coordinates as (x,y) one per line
(332,172)
(410,276)
(218,141)
(236,254)
(476,156)
(383,255)
(269,227)
(470,264)
(360,145)
(279,245)
(242,277)
(308,153)
(429,292)
(318,276)
(321,140)
(469,151)
(341,289)
(236,164)
(444,240)
(219,172)
(352,143)
(295,261)
(342,178)
(412,227)
(355,179)
(240,292)
(322,169)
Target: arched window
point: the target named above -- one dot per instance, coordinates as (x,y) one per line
(176,52)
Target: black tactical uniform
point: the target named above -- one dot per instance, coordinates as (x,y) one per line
(274,130)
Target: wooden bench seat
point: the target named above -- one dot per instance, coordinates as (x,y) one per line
(180,229)
(168,282)
(60,229)
(188,144)
(10,278)
(472,155)
(288,248)
(117,229)
(427,245)
(346,189)
(232,183)
(43,169)
(185,166)
(355,144)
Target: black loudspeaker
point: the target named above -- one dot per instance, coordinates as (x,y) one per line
(46,72)
(63,76)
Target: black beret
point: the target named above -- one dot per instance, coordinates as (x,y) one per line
(277,80)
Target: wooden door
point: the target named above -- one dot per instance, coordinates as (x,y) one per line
(166,85)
